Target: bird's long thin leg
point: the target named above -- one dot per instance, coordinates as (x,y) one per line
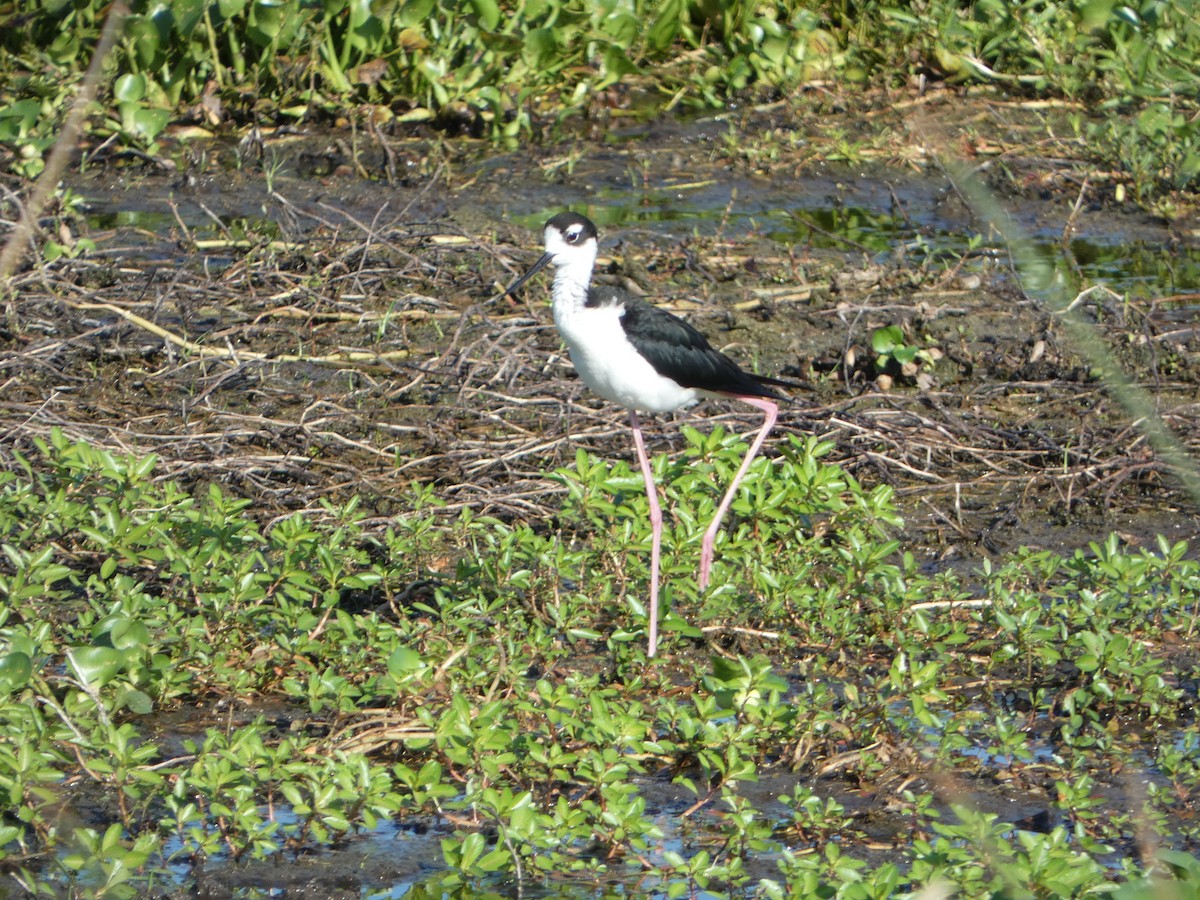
(770,410)
(655,527)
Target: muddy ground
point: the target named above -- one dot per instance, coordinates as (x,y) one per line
(272,320)
(315,318)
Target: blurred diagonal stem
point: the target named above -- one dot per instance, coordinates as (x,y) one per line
(60,154)
(1040,279)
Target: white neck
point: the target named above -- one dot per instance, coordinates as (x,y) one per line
(571,280)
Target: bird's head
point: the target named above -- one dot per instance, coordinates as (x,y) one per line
(571,239)
(571,246)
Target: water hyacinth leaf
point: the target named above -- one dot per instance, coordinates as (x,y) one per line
(17,118)
(415,12)
(1094,14)
(188,14)
(433,74)
(366,28)
(492,97)
(95,666)
(266,22)
(146,37)
(775,49)
(228,9)
(541,48)
(130,88)
(616,66)
(145,122)
(488,13)
(163,17)
(663,29)
(15,670)
(622,29)
(1128,15)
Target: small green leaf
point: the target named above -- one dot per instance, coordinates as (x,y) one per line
(886,339)
(228,9)
(95,666)
(15,670)
(148,122)
(121,632)
(662,31)
(404,661)
(266,21)
(470,850)
(136,702)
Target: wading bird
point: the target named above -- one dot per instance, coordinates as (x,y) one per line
(642,358)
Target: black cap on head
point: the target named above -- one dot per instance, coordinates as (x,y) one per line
(573,226)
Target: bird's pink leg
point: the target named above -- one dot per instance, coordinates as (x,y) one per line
(770,410)
(655,527)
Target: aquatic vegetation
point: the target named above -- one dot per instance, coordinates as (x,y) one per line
(503,693)
(504,71)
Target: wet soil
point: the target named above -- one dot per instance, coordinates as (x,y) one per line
(317,321)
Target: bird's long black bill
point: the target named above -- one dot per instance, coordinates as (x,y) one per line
(537,267)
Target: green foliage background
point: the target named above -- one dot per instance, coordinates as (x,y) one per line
(502,70)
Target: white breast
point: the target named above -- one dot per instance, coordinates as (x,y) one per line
(608,363)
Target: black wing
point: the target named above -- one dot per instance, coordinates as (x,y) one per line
(683,354)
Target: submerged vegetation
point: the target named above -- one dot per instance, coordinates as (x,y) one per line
(471,676)
(507,71)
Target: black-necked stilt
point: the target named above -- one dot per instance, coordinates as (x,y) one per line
(643,358)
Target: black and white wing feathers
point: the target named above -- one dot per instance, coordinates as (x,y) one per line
(681,353)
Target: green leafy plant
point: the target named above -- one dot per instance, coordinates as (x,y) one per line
(894,356)
(508,701)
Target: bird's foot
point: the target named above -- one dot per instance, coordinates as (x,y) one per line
(706,558)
